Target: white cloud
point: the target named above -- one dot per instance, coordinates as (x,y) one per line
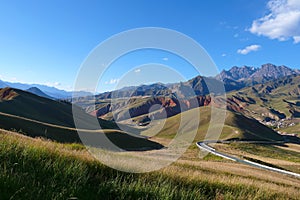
(296,39)
(137,70)
(282,22)
(165,59)
(224,54)
(112,81)
(52,84)
(249,49)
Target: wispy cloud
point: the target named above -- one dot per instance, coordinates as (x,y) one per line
(281,23)
(53,84)
(296,39)
(224,54)
(112,81)
(249,49)
(137,70)
(165,59)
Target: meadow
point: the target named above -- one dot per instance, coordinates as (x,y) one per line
(34,168)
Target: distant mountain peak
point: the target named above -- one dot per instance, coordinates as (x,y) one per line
(268,65)
(266,72)
(271,71)
(237,73)
(2,84)
(51,92)
(38,92)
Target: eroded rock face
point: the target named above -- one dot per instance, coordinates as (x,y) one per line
(162,106)
(104,110)
(7,94)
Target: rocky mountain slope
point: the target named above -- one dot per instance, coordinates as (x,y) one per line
(233,79)
(246,75)
(269,94)
(275,103)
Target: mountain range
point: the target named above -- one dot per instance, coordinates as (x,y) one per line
(269,94)
(274,102)
(52,92)
(37,116)
(228,80)
(266,72)
(232,79)
(246,75)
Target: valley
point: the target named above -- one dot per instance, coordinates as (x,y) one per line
(260,126)
(150,100)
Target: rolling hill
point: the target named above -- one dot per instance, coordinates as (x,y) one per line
(28,105)
(29,113)
(236,127)
(37,116)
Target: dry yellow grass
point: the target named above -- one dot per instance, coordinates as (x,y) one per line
(291,147)
(191,168)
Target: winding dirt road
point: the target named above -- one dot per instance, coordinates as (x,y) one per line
(204,146)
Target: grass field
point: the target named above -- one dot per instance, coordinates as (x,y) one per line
(39,169)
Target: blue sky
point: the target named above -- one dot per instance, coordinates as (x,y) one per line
(47,41)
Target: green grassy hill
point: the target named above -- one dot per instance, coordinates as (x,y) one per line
(41,117)
(236,126)
(25,104)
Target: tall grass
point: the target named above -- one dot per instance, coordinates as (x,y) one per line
(36,169)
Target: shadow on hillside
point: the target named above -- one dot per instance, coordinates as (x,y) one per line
(291,139)
(255,131)
(122,140)
(118,141)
